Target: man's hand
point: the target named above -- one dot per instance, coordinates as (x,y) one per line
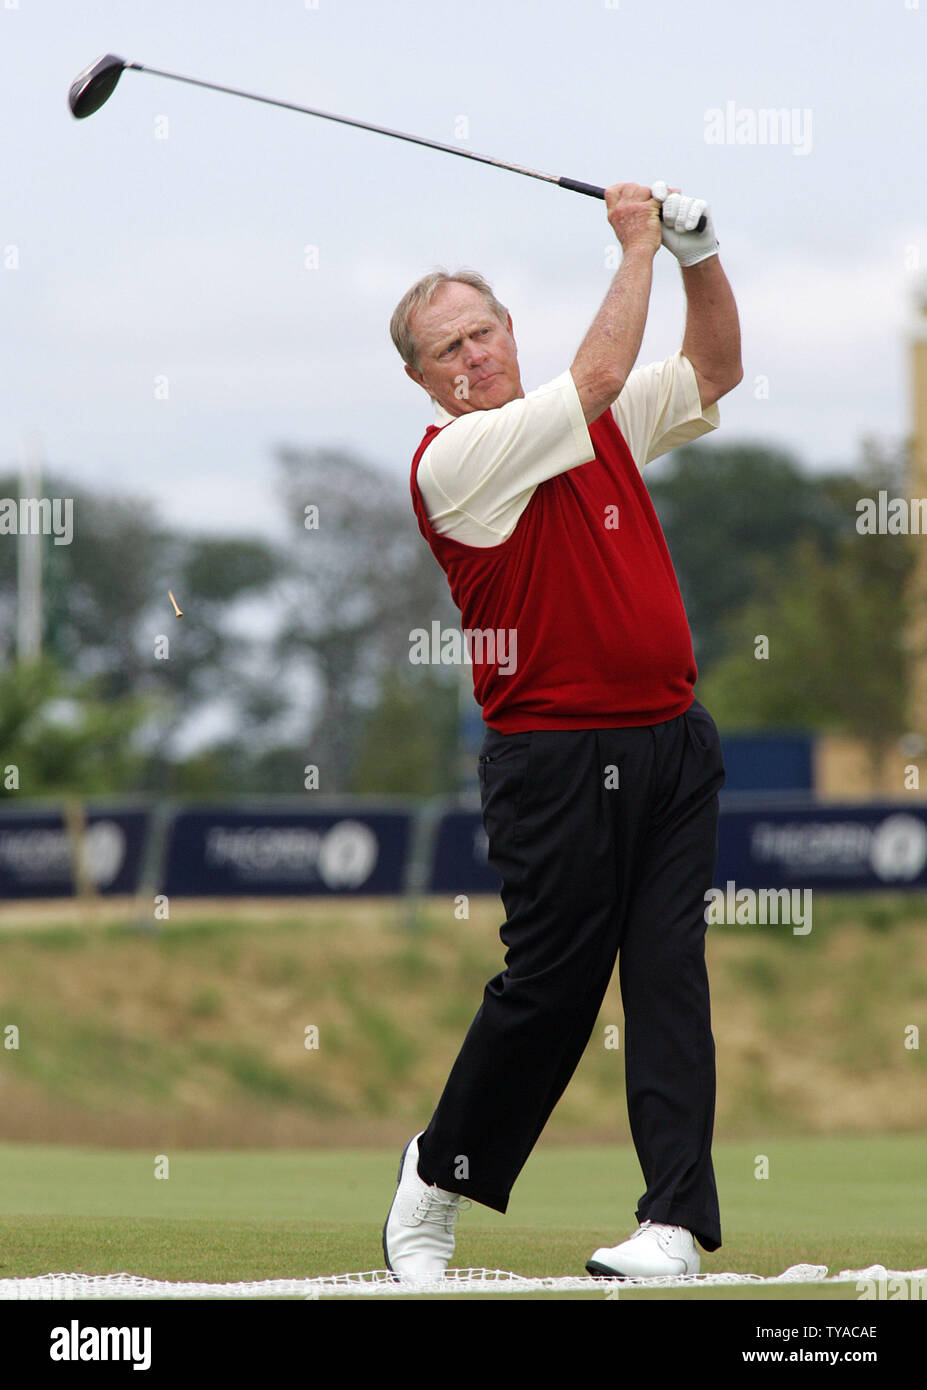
(712,337)
(680,218)
(634,216)
(609,349)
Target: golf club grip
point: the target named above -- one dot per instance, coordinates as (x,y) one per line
(592,191)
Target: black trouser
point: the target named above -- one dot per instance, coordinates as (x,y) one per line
(590,871)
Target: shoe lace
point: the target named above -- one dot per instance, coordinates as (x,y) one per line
(660,1229)
(441,1208)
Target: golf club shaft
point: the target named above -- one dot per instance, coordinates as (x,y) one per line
(589,189)
(95,85)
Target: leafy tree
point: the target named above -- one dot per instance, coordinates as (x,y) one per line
(360,578)
(836,620)
(106,605)
(409,742)
(728,514)
(62,734)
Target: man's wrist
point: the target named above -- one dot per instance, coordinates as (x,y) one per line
(638,252)
(708,265)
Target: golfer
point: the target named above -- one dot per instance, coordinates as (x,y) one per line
(599,771)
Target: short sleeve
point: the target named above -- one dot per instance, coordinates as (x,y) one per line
(478,474)
(659,409)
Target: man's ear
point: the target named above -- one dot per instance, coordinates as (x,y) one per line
(416,377)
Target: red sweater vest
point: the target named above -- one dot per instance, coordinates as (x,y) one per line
(584,595)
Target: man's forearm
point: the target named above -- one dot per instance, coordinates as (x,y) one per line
(712,336)
(609,350)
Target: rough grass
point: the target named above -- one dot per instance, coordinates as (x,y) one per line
(195,1034)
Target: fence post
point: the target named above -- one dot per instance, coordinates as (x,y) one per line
(424,831)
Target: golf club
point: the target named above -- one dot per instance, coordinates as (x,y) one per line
(96,84)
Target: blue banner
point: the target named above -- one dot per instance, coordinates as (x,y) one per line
(228,853)
(223,851)
(459,861)
(35,852)
(841,849)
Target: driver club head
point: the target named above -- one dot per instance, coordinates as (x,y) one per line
(95,85)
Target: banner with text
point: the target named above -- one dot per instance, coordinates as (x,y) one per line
(224,853)
(841,849)
(36,859)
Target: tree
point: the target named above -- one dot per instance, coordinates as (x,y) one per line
(360,579)
(62,735)
(108,622)
(409,741)
(728,513)
(836,620)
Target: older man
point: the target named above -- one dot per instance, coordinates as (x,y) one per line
(599,772)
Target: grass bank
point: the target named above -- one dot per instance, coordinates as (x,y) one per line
(196,1034)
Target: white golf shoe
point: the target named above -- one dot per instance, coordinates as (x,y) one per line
(418,1237)
(653,1250)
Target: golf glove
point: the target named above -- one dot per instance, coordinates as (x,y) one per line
(680,217)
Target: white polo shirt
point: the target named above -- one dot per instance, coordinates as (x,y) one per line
(479,474)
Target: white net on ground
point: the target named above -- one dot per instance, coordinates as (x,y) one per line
(379,1283)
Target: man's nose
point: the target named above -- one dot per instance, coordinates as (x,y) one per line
(476,351)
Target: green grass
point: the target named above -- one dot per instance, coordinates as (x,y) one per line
(124,1033)
(844,1202)
(197,1032)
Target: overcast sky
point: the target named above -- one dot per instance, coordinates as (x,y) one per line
(128,258)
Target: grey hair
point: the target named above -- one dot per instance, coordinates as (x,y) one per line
(422,293)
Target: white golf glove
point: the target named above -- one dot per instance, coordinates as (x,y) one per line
(680,218)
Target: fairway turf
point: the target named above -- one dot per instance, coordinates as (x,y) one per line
(843,1202)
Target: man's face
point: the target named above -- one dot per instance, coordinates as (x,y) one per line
(467,358)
